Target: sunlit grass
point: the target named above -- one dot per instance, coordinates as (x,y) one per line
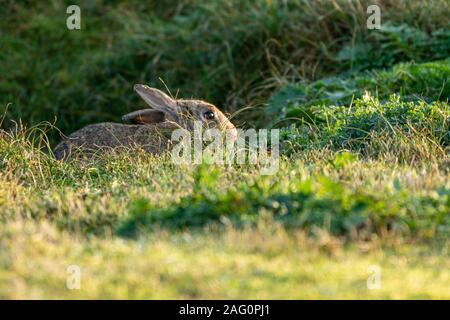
(56,214)
(364,176)
(263,263)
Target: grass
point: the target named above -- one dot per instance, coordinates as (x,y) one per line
(224,232)
(203,49)
(232,265)
(371,127)
(412,81)
(306,200)
(364,172)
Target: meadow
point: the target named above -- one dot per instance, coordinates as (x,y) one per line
(364,176)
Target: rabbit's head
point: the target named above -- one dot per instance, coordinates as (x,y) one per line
(182,112)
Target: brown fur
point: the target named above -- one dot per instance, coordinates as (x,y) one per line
(100,137)
(150,136)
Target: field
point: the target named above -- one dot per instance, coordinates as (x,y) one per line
(359,207)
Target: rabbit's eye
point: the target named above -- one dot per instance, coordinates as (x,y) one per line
(209,115)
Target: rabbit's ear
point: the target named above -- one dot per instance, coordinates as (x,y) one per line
(145,116)
(159,101)
(154,97)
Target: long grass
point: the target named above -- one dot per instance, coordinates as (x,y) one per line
(364,172)
(310,231)
(233,53)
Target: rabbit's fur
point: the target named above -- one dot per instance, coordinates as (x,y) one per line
(151,131)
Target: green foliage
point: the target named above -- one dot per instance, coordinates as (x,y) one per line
(425,81)
(228,52)
(343,159)
(395,43)
(362,170)
(301,203)
(219,220)
(368,123)
(366,115)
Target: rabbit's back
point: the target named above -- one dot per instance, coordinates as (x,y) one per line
(113,136)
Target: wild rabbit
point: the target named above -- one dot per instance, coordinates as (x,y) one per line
(151,128)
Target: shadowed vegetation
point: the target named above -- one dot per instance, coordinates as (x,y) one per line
(233,53)
(364,172)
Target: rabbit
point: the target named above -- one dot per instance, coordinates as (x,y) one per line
(150,129)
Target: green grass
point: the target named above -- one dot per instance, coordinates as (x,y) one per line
(364,173)
(310,231)
(203,49)
(306,200)
(234,264)
(372,127)
(412,81)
